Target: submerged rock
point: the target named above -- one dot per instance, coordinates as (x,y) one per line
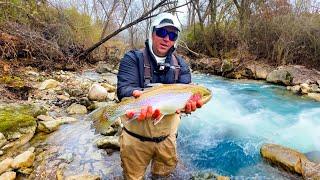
(83,177)
(108,142)
(53,125)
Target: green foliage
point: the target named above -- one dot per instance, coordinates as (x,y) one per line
(12,118)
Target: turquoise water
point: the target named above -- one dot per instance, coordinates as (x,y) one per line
(225,135)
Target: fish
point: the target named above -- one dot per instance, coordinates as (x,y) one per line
(168,98)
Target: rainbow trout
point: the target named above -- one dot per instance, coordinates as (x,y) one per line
(166,97)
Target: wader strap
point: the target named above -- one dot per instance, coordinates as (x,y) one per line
(142,138)
(176,68)
(147,68)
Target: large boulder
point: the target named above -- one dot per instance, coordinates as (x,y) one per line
(315,96)
(280,76)
(97,93)
(290,160)
(260,70)
(301,74)
(23,160)
(286,158)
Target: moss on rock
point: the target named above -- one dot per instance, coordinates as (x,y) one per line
(13,118)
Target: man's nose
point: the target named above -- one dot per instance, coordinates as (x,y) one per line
(166,38)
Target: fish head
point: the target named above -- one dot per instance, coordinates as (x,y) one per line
(200,93)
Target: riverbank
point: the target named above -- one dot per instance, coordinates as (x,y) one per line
(296,78)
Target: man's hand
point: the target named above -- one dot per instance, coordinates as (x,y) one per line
(193,103)
(146,112)
(136,93)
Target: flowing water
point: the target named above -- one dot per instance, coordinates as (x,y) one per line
(224,136)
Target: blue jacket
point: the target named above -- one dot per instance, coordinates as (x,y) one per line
(131,72)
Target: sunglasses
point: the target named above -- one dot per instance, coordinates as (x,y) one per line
(161,32)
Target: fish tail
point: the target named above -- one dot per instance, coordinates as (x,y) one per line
(100,119)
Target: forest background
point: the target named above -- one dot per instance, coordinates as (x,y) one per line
(58,34)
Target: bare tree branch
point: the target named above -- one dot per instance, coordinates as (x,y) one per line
(141,18)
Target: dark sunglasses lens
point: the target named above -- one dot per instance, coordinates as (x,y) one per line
(173,36)
(161,32)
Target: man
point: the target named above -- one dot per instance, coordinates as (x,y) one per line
(142,142)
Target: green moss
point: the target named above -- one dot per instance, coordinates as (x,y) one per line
(13,118)
(14,81)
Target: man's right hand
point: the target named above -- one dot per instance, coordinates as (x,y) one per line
(136,93)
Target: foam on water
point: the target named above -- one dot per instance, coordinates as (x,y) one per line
(227,133)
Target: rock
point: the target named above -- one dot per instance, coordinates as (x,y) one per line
(226,66)
(77,109)
(83,177)
(108,142)
(110,131)
(111,96)
(108,87)
(305,88)
(3,140)
(45,118)
(310,170)
(85,102)
(261,71)
(67,157)
(208,175)
(314,88)
(75,92)
(280,77)
(49,84)
(301,74)
(295,88)
(315,96)
(5,165)
(23,160)
(32,73)
(286,158)
(50,126)
(25,171)
(63,97)
(8,175)
(97,93)
(318,82)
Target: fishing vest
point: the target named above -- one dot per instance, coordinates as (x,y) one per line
(147,68)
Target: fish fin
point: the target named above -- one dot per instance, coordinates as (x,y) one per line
(157,120)
(136,115)
(99,120)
